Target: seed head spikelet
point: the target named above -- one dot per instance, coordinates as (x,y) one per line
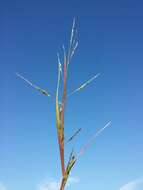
(42,91)
(74,135)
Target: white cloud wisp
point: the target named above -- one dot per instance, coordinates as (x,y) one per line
(55,185)
(2,186)
(133,185)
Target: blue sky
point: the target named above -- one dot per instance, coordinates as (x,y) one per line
(111,43)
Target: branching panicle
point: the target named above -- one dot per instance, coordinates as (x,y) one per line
(60,106)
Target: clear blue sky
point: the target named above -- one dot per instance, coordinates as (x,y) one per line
(110,37)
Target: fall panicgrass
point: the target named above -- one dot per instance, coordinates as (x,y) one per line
(60,106)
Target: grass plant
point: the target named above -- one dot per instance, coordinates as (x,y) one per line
(60,104)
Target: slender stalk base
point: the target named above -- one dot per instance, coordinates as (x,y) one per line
(63,183)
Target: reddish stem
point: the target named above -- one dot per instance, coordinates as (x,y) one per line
(61,148)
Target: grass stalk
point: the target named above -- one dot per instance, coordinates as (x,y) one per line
(60,108)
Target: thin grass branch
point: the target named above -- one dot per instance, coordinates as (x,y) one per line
(42,91)
(82,86)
